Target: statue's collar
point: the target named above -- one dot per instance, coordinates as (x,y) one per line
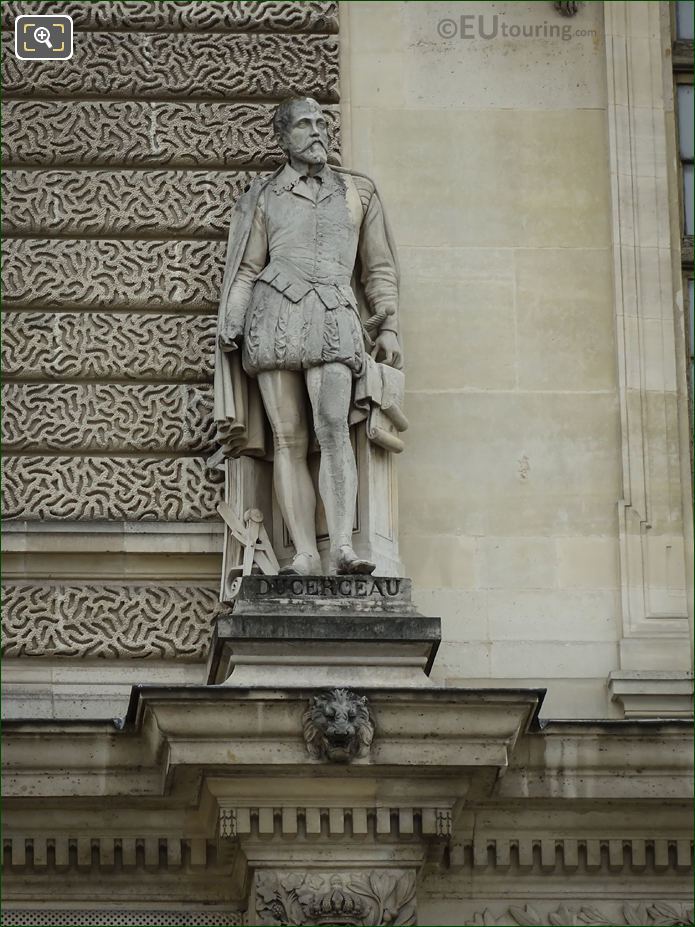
(291,180)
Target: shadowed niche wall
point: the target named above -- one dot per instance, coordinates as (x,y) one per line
(121,168)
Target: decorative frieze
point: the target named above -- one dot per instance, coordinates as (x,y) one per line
(169,65)
(590,854)
(111,620)
(138,133)
(108,417)
(70,273)
(100,345)
(130,488)
(650,914)
(372,897)
(135,878)
(192,16)
(64,852)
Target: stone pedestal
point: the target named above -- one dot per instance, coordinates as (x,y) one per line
(324,630)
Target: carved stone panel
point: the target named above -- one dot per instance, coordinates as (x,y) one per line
(102,133)
(89,273)
(375,897)
(106,203)
(114,488)
(102,345)
(573,914)
(191,16)
(110,620)
(114,417)
(167,65)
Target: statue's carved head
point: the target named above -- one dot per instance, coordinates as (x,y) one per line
(301,130)
(338,726)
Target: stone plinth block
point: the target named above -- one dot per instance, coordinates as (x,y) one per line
(324,630)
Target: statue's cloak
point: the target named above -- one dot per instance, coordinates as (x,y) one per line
(242,425)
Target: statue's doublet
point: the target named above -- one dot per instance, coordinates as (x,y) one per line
(293,291)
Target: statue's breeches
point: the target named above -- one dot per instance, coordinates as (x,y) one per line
(285,335)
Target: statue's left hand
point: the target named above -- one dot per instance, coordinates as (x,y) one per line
(230,343)
(387,350)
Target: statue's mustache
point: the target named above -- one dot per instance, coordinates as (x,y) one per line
(315,141)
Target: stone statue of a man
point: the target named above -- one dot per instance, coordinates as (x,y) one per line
(290,327)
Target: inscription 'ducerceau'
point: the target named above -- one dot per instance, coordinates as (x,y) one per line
(329,586)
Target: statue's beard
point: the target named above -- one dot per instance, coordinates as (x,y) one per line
(315,157)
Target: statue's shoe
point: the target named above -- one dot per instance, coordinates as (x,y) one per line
(347,562)
(303,564)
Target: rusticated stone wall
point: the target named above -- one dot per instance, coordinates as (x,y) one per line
(121,169)
(108,621)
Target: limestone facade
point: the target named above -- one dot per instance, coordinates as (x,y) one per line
(529,162)
(532,190)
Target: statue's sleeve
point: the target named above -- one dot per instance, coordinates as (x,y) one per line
(379,272)
(252,263)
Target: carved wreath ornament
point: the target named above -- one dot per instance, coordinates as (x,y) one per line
(338,726)
(360,898)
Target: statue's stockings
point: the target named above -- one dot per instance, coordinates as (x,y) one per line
(284,393)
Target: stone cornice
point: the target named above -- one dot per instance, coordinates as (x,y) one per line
(170,729)
(177,734)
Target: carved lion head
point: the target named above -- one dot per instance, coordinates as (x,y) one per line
(338,726)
